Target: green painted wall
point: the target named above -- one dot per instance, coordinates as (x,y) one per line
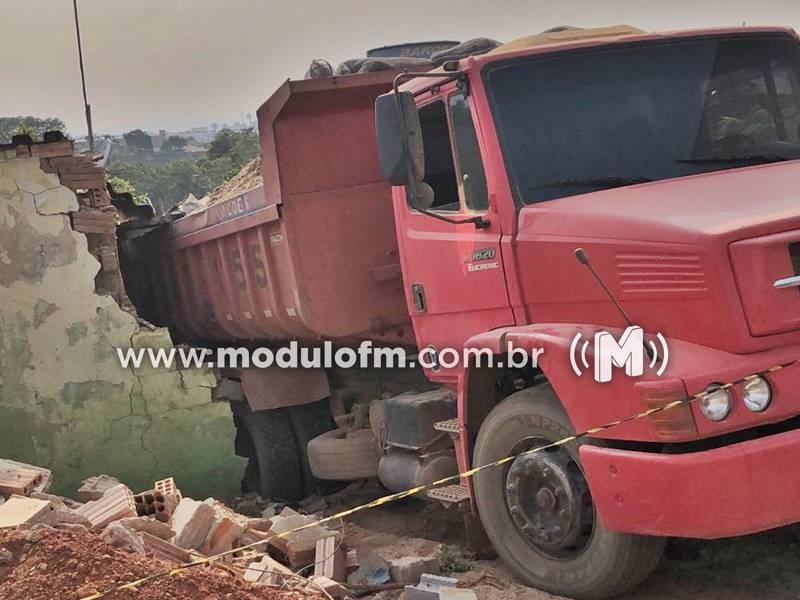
(65,402)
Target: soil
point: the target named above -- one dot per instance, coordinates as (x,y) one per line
(245,180)
(44,563)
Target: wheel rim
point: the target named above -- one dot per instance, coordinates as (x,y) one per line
(548,500)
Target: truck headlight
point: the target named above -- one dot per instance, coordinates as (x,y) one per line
(716,402)
(757,394)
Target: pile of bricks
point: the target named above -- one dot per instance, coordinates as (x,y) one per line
(160,522)
(18,481)
(287,550)
(159,502)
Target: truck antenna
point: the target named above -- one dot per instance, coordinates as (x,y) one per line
(583,258)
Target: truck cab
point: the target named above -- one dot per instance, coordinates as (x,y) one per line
(594,198)
(669,162)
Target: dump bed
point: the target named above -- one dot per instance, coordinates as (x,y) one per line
(312,254)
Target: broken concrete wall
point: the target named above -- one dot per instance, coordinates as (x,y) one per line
(65,402)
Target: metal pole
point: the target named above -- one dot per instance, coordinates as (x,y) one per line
(87,108)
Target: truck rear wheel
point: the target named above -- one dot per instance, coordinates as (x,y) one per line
(538,511)
(274,469)
(309,421)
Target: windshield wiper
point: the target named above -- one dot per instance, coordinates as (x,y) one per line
(595,182)
(744,159)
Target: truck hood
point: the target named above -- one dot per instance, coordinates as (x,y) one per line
(734,204)
(694,258)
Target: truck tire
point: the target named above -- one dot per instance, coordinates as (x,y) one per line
(538,511)
(309,421)
(344,455)
(274,469)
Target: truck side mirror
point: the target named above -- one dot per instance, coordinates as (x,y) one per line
(399,139)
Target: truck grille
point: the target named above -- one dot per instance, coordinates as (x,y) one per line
(660,273)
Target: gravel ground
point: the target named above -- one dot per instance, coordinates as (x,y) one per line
(68,564)
(756,567)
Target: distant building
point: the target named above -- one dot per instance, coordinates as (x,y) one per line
(159,139)
(201,135)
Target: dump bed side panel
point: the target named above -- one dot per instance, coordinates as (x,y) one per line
(338,215)
(310,255)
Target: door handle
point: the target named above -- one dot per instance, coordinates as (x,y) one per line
(787,282)
(418,293)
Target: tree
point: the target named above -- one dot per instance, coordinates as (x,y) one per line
(123,186)
(174,142)
(138,139)
(239,146)
(33,126)
(168,183)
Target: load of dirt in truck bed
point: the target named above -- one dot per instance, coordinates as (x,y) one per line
(44,563)
(245,180)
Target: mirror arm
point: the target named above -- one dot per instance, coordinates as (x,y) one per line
(479,222)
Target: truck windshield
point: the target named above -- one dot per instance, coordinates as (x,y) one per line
(582,121)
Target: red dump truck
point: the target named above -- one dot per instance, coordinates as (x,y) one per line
(556,193)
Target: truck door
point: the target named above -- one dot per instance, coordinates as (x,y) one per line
(454,276)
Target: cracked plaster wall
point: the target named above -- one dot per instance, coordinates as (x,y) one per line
(65,402)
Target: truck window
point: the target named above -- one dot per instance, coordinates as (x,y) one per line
(758,102)
(472,178)
(787,87)
(440,172)
(576,122)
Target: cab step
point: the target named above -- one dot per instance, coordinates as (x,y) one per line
(450,426)
(450,494)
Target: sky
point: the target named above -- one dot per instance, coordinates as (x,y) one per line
(174,64)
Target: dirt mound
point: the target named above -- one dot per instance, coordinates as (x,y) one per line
(244,181)
(69,564)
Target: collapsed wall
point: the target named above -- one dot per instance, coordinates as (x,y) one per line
(65,401)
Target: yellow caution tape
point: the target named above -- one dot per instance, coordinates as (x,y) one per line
(421,488)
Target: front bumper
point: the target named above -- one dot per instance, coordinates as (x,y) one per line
(733,490)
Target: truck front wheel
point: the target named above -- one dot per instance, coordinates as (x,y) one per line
(538,511)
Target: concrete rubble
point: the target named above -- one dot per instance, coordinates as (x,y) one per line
(299,548)
(18,481)
(115,503)
(42,484)
(288,551)
(332,588)
(372,570)
(19,510)
(330,559)
(434,587)
(191,521)
(410,569)
(94,487)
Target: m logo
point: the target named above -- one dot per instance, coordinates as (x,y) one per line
(628,352)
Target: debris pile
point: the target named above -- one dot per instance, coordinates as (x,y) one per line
(44,563)
(420,59)
(57,547)
(247,179)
